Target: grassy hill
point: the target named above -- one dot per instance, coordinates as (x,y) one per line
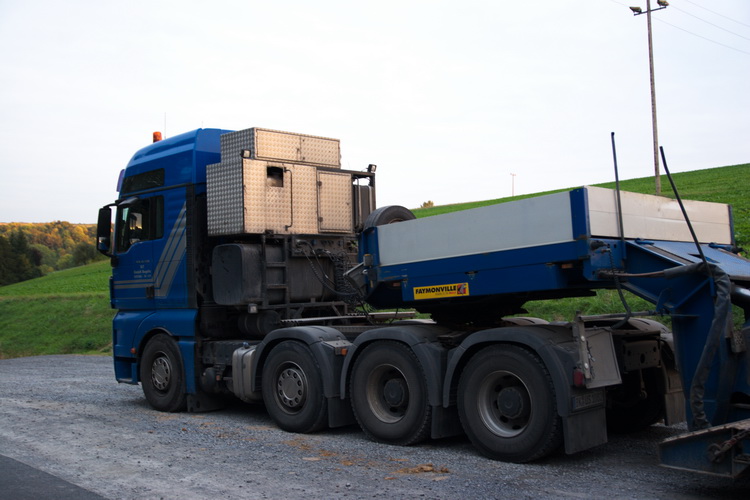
(64,312)
(729,185)
(68,311)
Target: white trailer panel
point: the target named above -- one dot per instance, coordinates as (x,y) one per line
(652,217)
(547,220)
(518,224)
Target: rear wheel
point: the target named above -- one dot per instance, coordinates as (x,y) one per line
(293,388)
(389,394)
(507,405)
(162,375)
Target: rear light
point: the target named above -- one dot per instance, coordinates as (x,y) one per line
(579,379)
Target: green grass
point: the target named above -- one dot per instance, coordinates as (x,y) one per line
(68,312)
(92,278)
(604,302)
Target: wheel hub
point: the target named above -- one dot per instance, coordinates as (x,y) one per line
(504,403)
(394,392)
(291,388)
(387,393)
(512,403)
(161,373)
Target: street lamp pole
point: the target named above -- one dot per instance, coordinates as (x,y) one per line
(637,11)
(657,176)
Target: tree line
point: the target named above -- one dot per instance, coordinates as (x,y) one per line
(32,250)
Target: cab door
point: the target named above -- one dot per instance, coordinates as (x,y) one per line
(139,227)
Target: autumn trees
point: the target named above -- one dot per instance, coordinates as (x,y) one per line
(32,250)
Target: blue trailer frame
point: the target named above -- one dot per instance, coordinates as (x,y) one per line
(570,259)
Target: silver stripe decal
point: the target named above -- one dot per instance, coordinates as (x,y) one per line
(124,287)
(172,255)
(131,282)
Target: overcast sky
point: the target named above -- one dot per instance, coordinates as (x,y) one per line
(447,98)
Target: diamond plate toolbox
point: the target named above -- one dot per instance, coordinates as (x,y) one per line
(268,181)
(273,145)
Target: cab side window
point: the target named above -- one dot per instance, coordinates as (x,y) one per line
(142,220)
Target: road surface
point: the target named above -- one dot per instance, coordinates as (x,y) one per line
(64,418)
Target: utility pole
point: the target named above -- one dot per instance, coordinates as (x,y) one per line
(512,184)
(636,12)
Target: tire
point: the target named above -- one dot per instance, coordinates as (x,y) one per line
(388,392)
(162,375)
(635,404)
(293,388)
(507,406)
(388,215)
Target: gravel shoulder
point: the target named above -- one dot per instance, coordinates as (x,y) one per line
(66,416)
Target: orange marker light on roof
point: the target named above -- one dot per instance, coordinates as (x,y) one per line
(157,136)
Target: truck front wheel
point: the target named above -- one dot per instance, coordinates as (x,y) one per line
(293,388)
(162,375)
(389,394)
(506,402)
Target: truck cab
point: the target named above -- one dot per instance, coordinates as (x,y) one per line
(276,235)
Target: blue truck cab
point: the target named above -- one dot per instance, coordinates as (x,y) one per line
(162,193)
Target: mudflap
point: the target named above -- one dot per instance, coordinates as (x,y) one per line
(722,451)
(445,422)
(339,412)
(585,430)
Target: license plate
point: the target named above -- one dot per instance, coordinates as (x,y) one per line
(587,399)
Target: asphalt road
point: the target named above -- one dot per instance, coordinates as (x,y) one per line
(68,430)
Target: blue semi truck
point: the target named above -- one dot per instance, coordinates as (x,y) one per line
(249,264)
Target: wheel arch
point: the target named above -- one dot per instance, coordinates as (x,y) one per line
(162,372)
(181,330)
(420,338)
(542,341)
(145,339)
(318,339)
(186,349)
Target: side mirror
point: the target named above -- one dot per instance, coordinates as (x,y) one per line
(104,231)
